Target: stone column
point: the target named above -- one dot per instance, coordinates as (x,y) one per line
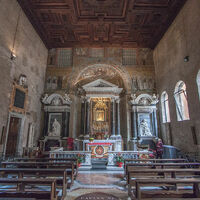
(134,123)
(113,117)
(88,116)
(82,116)
(118,117)
(155,122)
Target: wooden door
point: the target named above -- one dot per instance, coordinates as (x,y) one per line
(12,136)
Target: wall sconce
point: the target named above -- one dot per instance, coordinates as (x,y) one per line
(12,56)
(186,59)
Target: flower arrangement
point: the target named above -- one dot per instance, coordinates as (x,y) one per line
(80,158)
(119,160)
(106,136)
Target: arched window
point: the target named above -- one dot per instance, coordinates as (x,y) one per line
(198,82)
(165,107)
(180,96)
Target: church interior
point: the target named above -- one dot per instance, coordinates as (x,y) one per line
(100,99)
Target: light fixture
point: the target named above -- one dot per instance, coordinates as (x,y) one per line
(12,56)
(186,59)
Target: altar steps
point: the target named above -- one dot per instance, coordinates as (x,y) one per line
(99,164)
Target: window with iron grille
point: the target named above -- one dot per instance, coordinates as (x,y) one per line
(129,57)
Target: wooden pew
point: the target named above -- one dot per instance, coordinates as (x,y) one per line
(45,159)
(162,173)
(132,166)
(155,160)
(131,161)
(23,192)
(170,194)
(60,175)
(70,166)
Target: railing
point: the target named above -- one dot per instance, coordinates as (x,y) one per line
(71,154)
(112,155)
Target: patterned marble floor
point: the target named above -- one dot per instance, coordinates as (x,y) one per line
(97,181)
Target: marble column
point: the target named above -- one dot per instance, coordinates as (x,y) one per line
(82,116)
(155,122)
(134,123)
(118,117)
(88,116)
(113,117)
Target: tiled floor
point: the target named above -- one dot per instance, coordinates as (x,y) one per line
(96,181)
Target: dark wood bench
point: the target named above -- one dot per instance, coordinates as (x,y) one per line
(69,166)
(132,166)
(61,175)
(155,160)
(137,194)
(22,189)
(46,159)
(162,173)
(132,161)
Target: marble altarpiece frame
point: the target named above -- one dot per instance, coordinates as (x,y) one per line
(100,115)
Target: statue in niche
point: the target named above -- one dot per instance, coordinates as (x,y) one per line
(56,128)
(134,83)
(144,128)
(54,83)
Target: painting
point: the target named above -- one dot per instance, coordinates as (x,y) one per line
(100,116)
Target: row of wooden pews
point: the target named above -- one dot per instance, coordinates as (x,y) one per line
(162,179)
(26,178)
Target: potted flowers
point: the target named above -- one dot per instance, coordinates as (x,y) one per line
(120,160)
(80,159)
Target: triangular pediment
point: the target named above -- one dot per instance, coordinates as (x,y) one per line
(100,83)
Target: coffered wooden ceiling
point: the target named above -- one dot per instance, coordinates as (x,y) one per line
(124,23)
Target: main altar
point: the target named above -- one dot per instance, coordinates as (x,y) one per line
(101,114)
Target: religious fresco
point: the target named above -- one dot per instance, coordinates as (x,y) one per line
(134,76)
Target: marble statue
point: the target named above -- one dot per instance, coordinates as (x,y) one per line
(56,128)
(44,98)
(144,128)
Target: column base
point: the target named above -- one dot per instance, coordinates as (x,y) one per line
(115,137)
(86,137)
(133,144)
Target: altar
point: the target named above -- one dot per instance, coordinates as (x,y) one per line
(100,148)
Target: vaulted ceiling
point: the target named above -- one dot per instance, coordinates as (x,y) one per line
(126,23)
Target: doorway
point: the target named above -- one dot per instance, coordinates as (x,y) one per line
(14,128)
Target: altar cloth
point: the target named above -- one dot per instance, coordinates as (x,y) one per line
(99,143)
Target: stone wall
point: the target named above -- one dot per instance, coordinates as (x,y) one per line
(31,60)
(182,39)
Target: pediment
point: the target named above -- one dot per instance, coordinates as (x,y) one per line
(101,86)
(100,83)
